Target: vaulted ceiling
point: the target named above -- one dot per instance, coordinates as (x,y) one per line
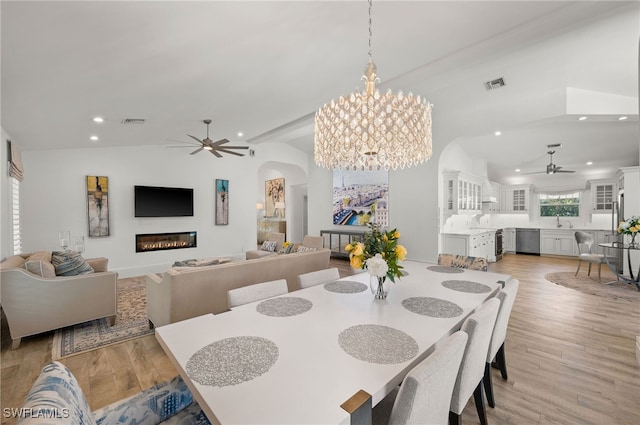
(263,68)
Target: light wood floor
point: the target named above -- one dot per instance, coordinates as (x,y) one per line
(570,356)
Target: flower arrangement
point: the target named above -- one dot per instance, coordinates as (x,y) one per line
(379,253)
(630,227)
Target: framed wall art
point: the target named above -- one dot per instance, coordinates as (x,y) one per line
(274,198)
(98,205)
(222,201)
(360,197)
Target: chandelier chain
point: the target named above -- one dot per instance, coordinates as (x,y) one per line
(370,32)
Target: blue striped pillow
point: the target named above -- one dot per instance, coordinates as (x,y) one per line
(69,263)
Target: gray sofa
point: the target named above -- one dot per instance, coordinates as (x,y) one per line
(34,304)
(183,294)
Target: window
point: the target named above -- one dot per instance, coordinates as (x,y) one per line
(565,205)
(16,231)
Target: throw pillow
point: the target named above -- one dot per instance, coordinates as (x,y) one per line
(40,268)
(287,249)
(100,264)
(69,263)
(269,246)
(303,248)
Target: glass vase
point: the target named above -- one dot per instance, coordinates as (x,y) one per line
(380,287)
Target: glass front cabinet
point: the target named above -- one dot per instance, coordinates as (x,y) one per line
(463,193)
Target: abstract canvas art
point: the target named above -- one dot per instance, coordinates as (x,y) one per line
(222,201)
(360,197)
(98,205)
(274,198)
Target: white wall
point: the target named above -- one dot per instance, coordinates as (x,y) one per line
(54,199)
(6,245)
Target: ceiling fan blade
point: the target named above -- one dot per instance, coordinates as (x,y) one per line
(196,139)
(197,150)
(214,152)
(220,142)
(230,152)
(564,171)
(185,146)
(535,172)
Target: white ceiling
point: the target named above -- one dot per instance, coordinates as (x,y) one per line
(264,67)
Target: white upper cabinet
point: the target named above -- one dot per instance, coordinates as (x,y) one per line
(603,193)
(462,192)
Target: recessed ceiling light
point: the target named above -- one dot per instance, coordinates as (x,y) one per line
(240,134)
(93,138)
(590,163)
(517,170)
(582,118)
(98,119)
(622,118)
(497,133)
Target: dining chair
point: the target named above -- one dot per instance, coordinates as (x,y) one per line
(256,292)
(318,277)
(463,262)
(425,393)
(507,297)
(585,243)
(479,327)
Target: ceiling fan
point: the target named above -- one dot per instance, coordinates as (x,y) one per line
(216,148)
(551,167)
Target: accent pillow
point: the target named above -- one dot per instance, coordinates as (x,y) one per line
(100,264)
(269,246)
(303,248)
(287,249)
(40,268)
(69,263)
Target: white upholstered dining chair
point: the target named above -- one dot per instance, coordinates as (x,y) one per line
(479,327)
(318,277)
(585,243)
(507,298)
(425,393)
(256,292)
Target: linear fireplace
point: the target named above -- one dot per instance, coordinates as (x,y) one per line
(161,241)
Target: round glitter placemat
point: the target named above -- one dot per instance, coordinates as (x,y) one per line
(432,307)
(445,269)
(232,361)
(345,287)
(378,344)
(466,286)
(284,307)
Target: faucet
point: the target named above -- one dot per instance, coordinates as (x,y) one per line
(558,221)
(570,224)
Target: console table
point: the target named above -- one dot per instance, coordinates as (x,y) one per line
(337,239)
(629,248)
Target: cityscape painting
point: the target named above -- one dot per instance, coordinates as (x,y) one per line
(360,197)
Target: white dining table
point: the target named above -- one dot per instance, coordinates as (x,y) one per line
(297,358)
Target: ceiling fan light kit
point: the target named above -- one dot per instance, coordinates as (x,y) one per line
(368,130)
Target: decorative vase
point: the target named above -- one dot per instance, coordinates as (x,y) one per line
(633,241)
(380,287)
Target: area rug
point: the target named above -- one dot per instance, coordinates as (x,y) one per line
(131,322)
(583,283)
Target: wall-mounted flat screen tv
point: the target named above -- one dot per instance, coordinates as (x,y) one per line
(152,201)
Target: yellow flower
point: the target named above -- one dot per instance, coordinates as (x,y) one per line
(358,250)
(286,244)
(401,252)
(356,262)
(633,229)
(385,238)
(348,247)
(396,235)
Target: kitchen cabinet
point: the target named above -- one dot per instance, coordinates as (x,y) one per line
(515,199)
(477,244)
(603,193)
(509,240)
(558,242)
(463,193)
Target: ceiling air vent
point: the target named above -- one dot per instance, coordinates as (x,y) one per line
(128,121)
(495,84)
(555,145)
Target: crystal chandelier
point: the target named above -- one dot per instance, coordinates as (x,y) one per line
(371,131)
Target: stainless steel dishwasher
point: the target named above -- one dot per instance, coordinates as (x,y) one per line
(528,241)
